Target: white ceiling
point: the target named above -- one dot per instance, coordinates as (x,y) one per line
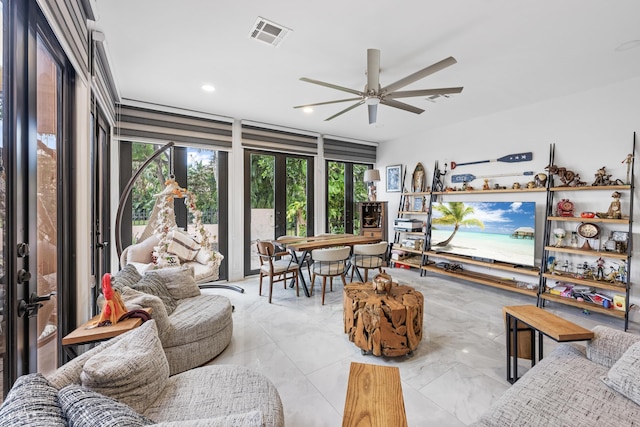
(510,53)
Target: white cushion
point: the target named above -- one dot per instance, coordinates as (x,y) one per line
(141,252)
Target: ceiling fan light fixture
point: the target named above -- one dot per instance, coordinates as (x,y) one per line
(372,100)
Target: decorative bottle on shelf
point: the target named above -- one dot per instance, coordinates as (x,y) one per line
(574,239)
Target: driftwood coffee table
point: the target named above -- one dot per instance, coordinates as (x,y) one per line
(383,324)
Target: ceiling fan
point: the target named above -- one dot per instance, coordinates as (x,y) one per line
(373,94)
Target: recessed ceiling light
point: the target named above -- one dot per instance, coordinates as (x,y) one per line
(307,110)
(628,45)
(208,88)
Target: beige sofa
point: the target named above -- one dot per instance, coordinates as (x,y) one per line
(126,382)
(193,327)
(597,385)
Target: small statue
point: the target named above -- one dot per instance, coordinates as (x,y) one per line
(614,208)
(600,269)
(540,180)
(486,185)
(531,184)
(515,186)
(113,308)
(382,283)
(628,161)
(565,175)
(601,177)
(576,182)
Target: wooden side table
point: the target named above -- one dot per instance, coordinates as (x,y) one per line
(521,318)
(374,397)
(381,324)
(86,333)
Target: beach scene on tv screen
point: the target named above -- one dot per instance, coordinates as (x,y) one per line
(496,231)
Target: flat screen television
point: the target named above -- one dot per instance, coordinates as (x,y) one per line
(489,231)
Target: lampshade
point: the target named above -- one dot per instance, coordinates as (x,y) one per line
(371,175)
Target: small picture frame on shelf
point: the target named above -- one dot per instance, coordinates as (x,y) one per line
(417,204)
(393,178)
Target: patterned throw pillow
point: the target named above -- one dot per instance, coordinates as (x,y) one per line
(624,375)
(183,245)
(133,371)
(155,285)
(128,276)
(32,401)
(84,407)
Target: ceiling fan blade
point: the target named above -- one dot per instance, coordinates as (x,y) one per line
(332,86)
(401,105)
(373,113)
(327,102)
(373,70)
(419,75)
(345,110)
(423,92)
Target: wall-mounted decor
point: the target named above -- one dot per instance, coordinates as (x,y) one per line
(393,178)
(419,179)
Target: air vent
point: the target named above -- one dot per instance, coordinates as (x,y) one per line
(268,32)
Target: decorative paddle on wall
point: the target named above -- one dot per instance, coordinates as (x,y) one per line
(509,158)
(469,177)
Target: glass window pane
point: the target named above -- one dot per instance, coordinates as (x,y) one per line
(262,202)
(335,196)
(360,194)
(296,197)
(202,180)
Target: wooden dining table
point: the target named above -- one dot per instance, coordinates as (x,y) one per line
(307,244)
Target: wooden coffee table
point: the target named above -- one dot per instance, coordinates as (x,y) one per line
(383,324)
(521,318)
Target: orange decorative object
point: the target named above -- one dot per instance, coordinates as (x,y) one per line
(113,307)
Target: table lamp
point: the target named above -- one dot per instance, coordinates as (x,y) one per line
(372,176)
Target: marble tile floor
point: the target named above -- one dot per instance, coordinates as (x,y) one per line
(458,370)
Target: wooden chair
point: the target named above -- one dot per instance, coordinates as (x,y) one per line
(329,262)
(368,257)
(278,266)
(307,259)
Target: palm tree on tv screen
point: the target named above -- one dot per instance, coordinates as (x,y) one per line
(454,213)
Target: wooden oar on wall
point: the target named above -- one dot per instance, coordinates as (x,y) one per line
(509,158)
(470,177)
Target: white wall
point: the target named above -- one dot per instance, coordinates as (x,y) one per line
(589,130)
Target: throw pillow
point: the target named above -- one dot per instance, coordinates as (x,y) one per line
(183,245)
(141,252)
(133,371)
(154,285)
(180,282)
(204,256)
(128,276)
(608,345)
(624,375)
(32,401)
(84,407)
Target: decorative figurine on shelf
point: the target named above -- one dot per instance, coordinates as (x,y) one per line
(600,269)
(628,160)
(564,208)
(559,234)
(565,175)
(406,203)
(486,185)
(531,184)
(614,211)
(515,186)
(574,239)
(603,178)
(576,182)
(540,180)
(419,179)
(382,283)
(113,308)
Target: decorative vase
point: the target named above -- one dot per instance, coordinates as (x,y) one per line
(382,283)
